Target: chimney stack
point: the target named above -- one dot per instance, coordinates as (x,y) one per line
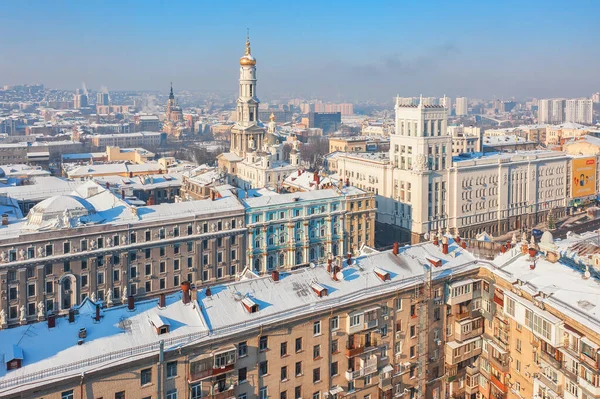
(329,262)
(5,219)
(336,270)
(51,320)
(349,258)
(445,245)
(436,241)
(107,185)
(317,178)
(162,301)
(396,248)
(185,288)
(275,275)
(97,318)
(130,303)
(123,194)
(208,291)
(347,182)
(212,195)
(71,316)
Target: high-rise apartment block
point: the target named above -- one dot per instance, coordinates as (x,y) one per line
(102,99)
(559,110)
(462,106)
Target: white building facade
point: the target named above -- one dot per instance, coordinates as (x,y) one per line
(420,189)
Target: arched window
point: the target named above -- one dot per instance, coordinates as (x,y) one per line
(270,263)
(298,257)
(281,259)
(312,254)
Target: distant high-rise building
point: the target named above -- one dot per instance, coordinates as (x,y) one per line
(446,102)
(462,106)
(80,100)
(102,99)
(596,97)
(328,121)
(558,110)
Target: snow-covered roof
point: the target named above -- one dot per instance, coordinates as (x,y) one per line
(281,199)
(120,334)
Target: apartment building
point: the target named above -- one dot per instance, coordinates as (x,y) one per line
(141,139)
(426,321)
(353,327)
(92,243)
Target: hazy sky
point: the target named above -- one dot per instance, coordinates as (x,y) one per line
(333,49)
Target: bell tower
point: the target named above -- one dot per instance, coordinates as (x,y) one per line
(247,107)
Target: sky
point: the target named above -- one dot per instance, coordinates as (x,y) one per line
(334,50)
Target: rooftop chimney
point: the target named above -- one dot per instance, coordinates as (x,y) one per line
(212,195)
(336,270)
(107,185)
(208,291)
(123,194)
(162,301)
(329,262)
(396,248)
(5,219)
(130,303)
(349,258)
(445,245)
(185,288)
(51,320)
(97,318)
(317,178)
(71,316)
(275,275)
(347,182)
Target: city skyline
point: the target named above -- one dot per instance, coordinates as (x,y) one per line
(333,51)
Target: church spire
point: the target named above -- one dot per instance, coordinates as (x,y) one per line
(171,96)
(247,42)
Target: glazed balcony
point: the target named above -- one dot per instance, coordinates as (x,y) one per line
(553,385)
(367,367)
(474,328)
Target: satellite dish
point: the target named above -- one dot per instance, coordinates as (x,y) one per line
(312,265)
(340,276)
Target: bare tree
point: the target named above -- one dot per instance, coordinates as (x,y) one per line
(314,151)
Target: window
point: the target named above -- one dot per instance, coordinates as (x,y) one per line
(120,395)
(145,376)
(172,394)
(100,242)
(334,346)
(242,349)
(172,369)
(354,320)
(284,373)
(335,323)
(298,392)
(31,290)
(49,249)
(242,374)
(316,395)
(84,280)
(283,349)
(317,328)
(263,343)
(298,368)
(262,393)
(316,375)
(263,368)
(196,391)
(316,351)
(518,345)
(283,395)
(100,279)
(298,344)
(334,369)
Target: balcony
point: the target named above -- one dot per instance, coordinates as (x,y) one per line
(591,388)
(211,372)
(553,385)
(354,349)
(500,364)
(370,367)
(498,384)
(473,332)
(213,364)
(229,393)
(554,360)
(385,383)
(451,347)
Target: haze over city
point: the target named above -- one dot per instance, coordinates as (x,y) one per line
(333,50)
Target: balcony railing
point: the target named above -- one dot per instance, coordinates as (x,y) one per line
(357,349)
(549,358)
(553,385)
(370,368)
(229,393)
(199,375)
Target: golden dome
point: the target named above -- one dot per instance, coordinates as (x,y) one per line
(247,59)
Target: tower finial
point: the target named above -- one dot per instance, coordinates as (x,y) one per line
(247,41)
(171,96)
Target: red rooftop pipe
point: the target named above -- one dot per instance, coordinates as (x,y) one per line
(275,275)
(97,318)
(396,248)
(162,301)
(130,302)
(208,291)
